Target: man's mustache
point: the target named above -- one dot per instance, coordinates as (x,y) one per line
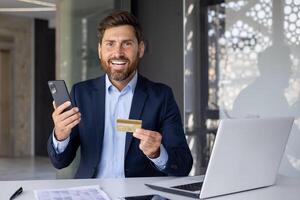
(122,58)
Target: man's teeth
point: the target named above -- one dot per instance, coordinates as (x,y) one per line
(118,62)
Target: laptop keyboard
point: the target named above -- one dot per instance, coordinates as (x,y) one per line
(190,187)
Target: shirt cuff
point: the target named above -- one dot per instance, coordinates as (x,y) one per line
(162,159)
(60,146)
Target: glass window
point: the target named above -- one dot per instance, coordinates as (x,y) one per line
(250,53)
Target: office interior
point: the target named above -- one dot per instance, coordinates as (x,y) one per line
(222,58)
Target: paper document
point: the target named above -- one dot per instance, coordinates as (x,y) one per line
(92,192)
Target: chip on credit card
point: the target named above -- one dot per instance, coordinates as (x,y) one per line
(128,125)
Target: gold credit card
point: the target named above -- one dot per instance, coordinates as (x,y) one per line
(128,125)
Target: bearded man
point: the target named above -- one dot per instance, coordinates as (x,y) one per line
(159,148)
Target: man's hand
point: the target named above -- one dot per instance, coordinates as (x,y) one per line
(64,121)
(150,142)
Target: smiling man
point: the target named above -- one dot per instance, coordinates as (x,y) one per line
(159,148)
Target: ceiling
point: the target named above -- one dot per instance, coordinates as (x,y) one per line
(9,4)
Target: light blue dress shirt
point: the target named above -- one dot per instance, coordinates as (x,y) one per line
(117,106)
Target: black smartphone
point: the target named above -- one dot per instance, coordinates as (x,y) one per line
(145,197)
(59,92)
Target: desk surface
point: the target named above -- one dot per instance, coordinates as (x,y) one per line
(285,188)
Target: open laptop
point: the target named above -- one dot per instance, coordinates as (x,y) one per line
(246,155)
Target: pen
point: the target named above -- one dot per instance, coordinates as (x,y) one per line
(17,193)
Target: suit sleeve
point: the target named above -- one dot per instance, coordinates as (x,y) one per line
(173,138)
(64,159)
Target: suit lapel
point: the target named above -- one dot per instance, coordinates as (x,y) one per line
(99,113)
(138,101)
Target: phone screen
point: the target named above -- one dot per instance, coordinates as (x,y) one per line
(146,197)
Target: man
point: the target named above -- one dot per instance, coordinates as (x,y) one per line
(159,148)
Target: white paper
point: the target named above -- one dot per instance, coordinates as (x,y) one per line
(92,192)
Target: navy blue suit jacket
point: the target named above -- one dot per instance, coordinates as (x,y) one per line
(153,103)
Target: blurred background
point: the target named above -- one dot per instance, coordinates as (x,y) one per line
(222,58)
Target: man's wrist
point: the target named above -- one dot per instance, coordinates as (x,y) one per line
(59,139)
(162,159)
(59,146)
(155,154)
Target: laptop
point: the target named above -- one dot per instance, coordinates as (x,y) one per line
(246,155)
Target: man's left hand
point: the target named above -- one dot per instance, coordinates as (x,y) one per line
(150,142)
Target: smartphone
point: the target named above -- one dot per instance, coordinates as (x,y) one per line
(59,92)
(145,197)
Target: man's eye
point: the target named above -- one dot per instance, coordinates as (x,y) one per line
(109,44)
(127,44)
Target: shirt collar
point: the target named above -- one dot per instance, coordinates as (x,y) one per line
(131,85)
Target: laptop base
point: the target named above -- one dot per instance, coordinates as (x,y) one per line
(169,190)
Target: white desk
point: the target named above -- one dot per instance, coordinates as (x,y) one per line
(285,188)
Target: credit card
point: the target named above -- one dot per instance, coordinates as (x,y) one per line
(128,125)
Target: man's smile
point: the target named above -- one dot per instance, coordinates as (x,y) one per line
(118,63)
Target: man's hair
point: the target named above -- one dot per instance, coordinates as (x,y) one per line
(119,18)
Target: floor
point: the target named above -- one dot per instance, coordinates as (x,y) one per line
(36,168)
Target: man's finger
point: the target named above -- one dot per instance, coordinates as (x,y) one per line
(141,132)
(54,106)
(69,113)
(147,144)
(70,119)
(74,123)
(137,135)
(62,107)
(146,135)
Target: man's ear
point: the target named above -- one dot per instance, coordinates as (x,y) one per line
(141,49)
(99,50)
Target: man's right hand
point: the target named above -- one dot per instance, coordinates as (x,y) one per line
(64,121)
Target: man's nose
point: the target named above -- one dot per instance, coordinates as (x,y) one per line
(119,50)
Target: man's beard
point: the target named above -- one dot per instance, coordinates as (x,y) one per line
(120,75)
